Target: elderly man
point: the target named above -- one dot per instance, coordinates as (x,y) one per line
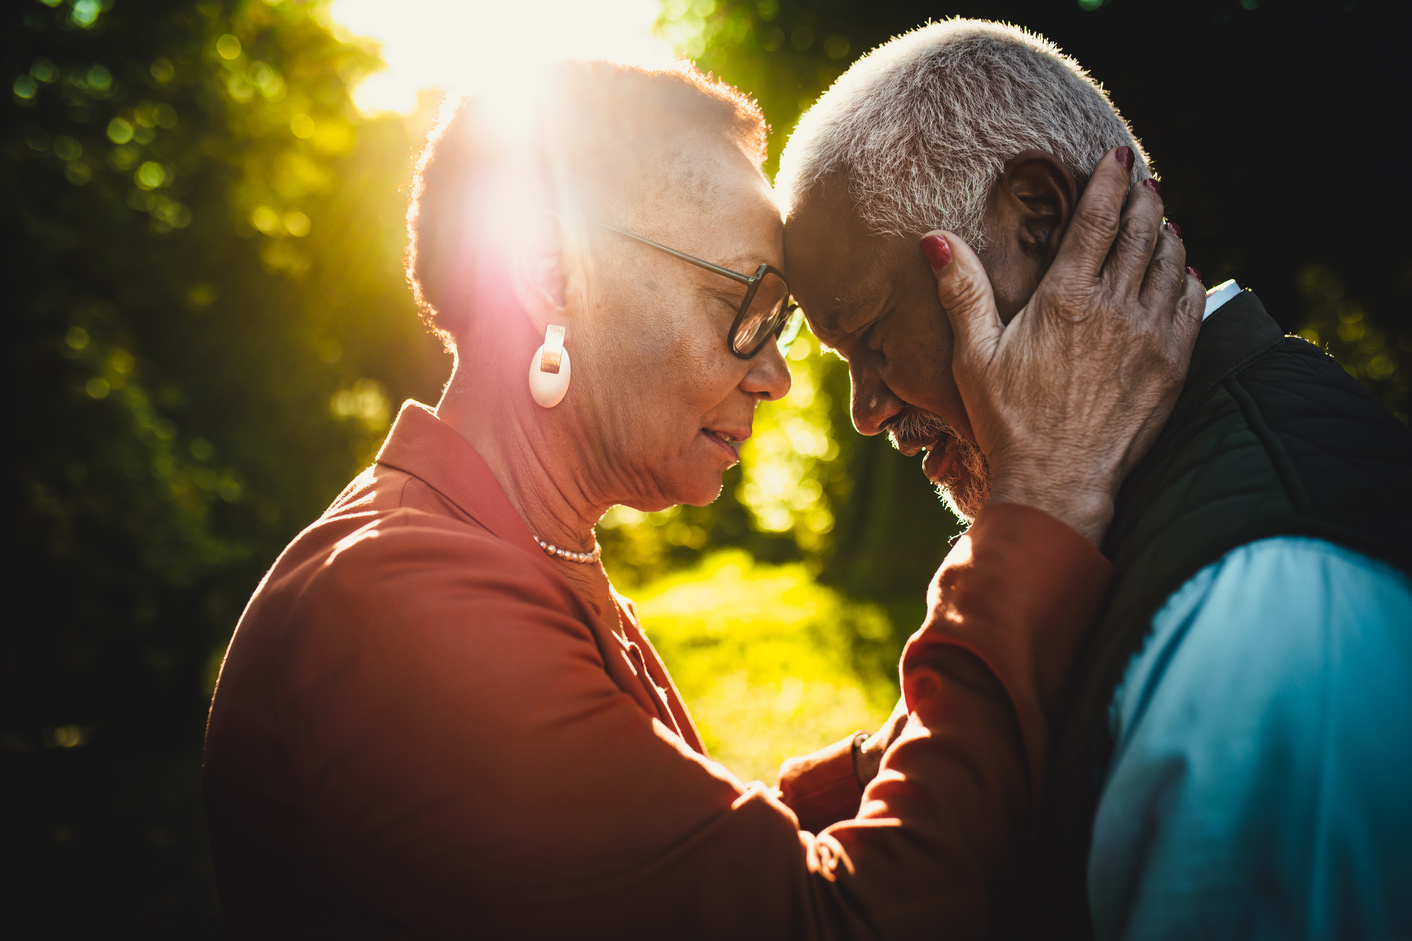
(1238,760)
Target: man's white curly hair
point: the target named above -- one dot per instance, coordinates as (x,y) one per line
(922,126)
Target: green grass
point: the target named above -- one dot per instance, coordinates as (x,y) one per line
(765,659)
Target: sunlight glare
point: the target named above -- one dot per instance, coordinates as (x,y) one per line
(467,46)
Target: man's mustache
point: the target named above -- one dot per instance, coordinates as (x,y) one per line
(914,428)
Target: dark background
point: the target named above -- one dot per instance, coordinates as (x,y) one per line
(207,328)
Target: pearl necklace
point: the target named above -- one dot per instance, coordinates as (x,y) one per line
(568,555)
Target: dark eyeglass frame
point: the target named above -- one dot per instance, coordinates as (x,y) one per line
(789,320)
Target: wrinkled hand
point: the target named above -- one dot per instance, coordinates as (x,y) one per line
(1066,398)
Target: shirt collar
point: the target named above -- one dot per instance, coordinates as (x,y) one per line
(426,447)
(1217,297)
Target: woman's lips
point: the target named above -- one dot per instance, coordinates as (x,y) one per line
(729,449)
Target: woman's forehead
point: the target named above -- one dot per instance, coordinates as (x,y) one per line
(741,224)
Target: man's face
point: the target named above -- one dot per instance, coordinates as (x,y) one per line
(873,300)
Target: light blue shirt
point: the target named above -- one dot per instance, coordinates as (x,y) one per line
(1261,786)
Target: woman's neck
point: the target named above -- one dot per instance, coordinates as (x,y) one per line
(551,496)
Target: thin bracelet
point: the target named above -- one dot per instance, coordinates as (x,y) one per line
(857,749)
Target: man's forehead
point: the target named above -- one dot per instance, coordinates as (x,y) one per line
(824,230)
(836,269)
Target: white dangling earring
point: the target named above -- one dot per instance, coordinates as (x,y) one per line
(549,369)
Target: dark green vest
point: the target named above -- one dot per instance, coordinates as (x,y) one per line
(1270,437)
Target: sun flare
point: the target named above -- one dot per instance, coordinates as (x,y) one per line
(470,45)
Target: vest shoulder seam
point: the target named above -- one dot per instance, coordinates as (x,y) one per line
(1274,449)
(1201,398)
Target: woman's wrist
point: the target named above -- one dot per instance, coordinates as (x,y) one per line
(865,764)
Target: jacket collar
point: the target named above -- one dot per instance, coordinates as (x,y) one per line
(1227,342)
(426,447)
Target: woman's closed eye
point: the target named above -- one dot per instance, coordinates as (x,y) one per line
(730,301)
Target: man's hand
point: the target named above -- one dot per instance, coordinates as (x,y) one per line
(1069,395)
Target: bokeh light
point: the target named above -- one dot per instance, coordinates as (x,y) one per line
(473,46)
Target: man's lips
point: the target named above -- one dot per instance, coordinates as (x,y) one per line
(934,465)
(911,447)
(934,455)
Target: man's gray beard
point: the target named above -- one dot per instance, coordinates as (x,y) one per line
(964,497)
(968,497)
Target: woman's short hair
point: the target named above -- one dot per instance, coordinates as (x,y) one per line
(923,126)
(600,135)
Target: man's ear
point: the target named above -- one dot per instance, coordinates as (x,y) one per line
(539,270)
(1035,198)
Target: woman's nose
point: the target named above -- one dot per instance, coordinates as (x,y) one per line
(768,377)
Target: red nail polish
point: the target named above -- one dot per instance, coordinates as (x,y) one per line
(1173,228)
(1125,157)
(937,251)
(1153,185)
(1194,273)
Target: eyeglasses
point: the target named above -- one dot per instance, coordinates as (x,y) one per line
(766,311)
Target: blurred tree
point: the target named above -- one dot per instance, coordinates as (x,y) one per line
(208,333)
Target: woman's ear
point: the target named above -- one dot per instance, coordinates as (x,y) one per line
(1035,197)
(539,270)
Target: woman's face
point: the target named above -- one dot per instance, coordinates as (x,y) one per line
(671,403)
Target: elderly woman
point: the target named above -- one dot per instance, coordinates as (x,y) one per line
(436,717)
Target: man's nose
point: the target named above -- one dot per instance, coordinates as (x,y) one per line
(873,402)
(768,377)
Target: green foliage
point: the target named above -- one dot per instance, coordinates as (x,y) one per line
(793,469)
(784,54)
(208,334)
(1379,358)
(208,331)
